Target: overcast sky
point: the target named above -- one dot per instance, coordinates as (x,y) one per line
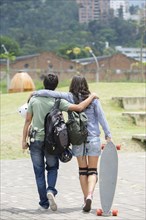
(136,2)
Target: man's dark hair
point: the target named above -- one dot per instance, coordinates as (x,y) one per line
(50,81)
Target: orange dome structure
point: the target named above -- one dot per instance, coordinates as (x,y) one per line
(21,82)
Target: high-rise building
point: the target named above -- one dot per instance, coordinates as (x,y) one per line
(90,10)
(116,5)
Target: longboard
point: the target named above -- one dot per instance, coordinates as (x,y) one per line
(108,172)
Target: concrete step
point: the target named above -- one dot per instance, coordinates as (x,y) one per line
(139,118)
(141,137)
(131,103)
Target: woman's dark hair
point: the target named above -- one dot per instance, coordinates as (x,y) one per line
(79,87)
(50,81)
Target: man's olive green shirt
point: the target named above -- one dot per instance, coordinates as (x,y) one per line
(39,107)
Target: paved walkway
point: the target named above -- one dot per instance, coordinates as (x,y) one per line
(19,198)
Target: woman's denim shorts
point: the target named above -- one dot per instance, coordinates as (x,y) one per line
(91,148)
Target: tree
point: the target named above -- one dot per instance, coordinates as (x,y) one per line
(53,24)
(133,9)
(8,56)
(11,45)
(120,12)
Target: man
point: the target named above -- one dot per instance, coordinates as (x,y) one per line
(38,107)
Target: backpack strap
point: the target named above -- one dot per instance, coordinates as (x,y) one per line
(70,113)
(57,103)
(76,101)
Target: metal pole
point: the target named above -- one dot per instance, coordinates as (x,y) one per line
(8,66)
(8,73)
(97,64)
(141,57)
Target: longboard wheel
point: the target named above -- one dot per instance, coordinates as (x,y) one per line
(118,147)
(99,212)
(115,212)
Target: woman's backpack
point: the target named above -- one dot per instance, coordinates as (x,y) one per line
(77,126)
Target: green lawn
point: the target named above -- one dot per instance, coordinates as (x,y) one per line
(122,128)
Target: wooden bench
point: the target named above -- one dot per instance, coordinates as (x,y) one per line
(141,137)
(138,117)
(131,103)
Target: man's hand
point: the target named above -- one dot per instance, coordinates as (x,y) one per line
(24,146)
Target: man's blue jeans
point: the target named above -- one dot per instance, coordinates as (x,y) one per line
(42,160)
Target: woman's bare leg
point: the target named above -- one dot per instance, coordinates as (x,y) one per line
(92,179)
(83,172)
(92,173)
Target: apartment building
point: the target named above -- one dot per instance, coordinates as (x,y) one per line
(120,4)
(90,10)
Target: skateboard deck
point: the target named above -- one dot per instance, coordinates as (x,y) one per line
(108,172)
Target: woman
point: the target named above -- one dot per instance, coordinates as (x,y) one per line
(87,154)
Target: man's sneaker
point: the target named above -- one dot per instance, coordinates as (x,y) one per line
(52,202)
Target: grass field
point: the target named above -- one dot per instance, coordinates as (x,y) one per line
(122,128)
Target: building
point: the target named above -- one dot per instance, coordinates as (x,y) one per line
(104,9)
(138,54)
(37,65)
(115,67)
(110,68)
(121,8)
(120,5)
(90,10)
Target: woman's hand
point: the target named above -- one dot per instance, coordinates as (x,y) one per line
(108,139)
(94,95)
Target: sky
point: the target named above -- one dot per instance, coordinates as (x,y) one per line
(136,2)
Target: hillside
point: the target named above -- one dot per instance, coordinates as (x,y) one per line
(53,25)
